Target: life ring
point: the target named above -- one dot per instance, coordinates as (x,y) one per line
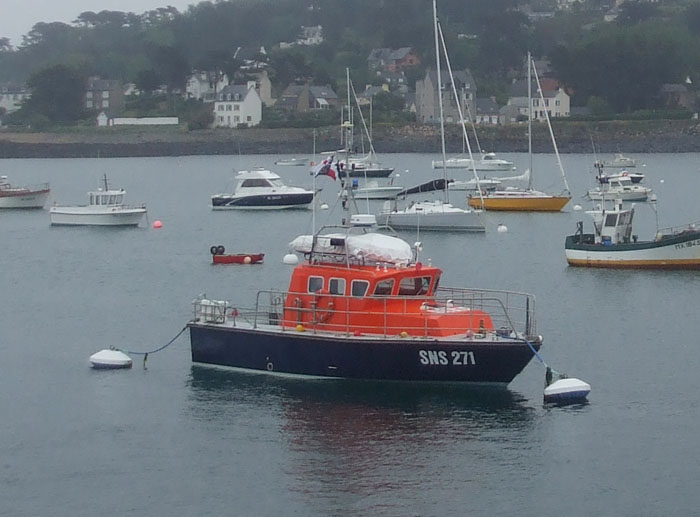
(213,250)
(323,310)
(220,249)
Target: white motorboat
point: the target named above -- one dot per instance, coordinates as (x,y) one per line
(105,208)
(620,161)
(298,162)
(33,196)
(262,189)
(487,162)
(620,187)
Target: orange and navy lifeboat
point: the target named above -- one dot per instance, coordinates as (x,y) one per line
(382,300)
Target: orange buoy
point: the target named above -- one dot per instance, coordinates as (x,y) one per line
(157,224)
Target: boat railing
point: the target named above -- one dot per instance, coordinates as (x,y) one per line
(511,313)
(677,230)
(35,187)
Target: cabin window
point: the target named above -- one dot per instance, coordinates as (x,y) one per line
(255,182)
(92,199)
(119,199)
(414,286)
(384,287)
(336,286)
(359,288)
(315,283)
(111,200)
(611,220)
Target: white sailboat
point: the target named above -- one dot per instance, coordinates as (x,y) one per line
(434,215)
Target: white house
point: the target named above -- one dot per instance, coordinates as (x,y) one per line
(11,98)
(204,86)
(238,105)
(556,102)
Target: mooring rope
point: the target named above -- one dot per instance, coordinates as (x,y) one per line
(145,354)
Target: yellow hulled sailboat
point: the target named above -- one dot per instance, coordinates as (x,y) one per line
(526,200)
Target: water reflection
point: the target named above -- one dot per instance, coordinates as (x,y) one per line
(349,441)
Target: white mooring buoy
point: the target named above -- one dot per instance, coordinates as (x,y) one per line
(578,208)
(290,259)
(501,228)
(110,359)
(567,390)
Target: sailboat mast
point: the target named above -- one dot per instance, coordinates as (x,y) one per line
(529,118)
(446,196)
(462,123)
(551,131)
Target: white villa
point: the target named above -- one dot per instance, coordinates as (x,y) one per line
(201,85)
(238,105)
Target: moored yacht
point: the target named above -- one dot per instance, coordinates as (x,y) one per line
(262,189)
(105,208)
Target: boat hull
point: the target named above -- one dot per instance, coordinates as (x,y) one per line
(628,195)
(478,165)
(340,356)
(83,216)
(24,199)
(239,258)
(377,193)
(447,221)
(263,201)
(680,251)
(534,204)
(379,172)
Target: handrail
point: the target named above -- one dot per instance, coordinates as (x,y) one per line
(509,311)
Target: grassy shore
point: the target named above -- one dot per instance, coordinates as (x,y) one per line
(572,137)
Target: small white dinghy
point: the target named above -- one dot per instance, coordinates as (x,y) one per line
(110,359)
(567,390)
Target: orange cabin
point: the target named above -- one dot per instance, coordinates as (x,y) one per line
(384,300)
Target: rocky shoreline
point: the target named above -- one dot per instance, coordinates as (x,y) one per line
(660,136)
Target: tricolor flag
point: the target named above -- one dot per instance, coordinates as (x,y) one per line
(324,168)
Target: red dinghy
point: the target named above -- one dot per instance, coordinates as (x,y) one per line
(218,257)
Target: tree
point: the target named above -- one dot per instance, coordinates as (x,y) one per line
(147,81)
(634,12)
(57,93)
(5,45)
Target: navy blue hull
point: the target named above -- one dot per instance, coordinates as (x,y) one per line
(369,173)
(265,201)
(303,353)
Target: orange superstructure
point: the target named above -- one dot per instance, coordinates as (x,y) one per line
(382,300)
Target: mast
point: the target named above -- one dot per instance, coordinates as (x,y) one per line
(551,132)
(465,136)
(446,195)
(529,117)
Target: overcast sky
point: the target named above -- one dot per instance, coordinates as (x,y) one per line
(17,17)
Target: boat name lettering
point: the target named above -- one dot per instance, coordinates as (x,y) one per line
(688,244)
(441,358)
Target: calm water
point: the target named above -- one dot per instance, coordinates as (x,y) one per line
(181,440)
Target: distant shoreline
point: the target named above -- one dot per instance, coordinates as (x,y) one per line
(660,136)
